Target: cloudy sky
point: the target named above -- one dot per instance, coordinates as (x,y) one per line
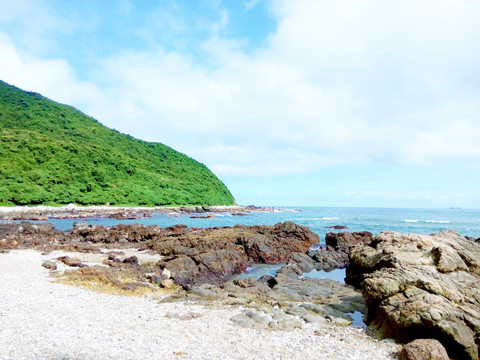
(289,102)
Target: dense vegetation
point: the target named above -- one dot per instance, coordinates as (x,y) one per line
(53,154)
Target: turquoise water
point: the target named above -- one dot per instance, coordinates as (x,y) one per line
(336,274)
(375,220)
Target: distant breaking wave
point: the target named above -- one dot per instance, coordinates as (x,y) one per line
(427,221)
(318,219)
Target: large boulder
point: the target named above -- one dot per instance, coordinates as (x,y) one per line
(217,252)
(422,286)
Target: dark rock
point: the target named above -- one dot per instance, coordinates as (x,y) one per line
(200,209)
(222,262)
(132,260)
(337,227)
(183,268)
(114,234)
(423,349)
(345,240)
(268,279)
(218,252)
(28,235)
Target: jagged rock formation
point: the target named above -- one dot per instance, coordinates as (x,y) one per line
(422,287)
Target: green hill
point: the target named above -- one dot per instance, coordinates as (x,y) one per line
(54,154)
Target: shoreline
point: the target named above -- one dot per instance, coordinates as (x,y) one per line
(42,212)
(43,319)
(191,266)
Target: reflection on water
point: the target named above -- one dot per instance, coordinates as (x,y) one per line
(357,317)
(337,275)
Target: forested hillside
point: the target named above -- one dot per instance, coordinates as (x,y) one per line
(54,154)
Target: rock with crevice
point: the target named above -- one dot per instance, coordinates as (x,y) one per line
(209,255)
(419,286)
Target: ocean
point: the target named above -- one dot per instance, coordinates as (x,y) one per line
(318,219)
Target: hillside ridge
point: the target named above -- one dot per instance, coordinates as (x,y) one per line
(53,154)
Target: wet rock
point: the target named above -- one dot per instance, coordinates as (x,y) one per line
(423,349)
(337,227)
(422,286)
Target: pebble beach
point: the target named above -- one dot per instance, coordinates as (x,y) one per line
(41,319)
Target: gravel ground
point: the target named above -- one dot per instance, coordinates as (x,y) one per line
(44,320)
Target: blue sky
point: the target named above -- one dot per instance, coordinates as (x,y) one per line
(289,102)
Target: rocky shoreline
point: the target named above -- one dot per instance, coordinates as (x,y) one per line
(409,287)
(73,211)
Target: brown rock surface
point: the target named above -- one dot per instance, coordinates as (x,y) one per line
(207,255)
(423,349)
(422,286)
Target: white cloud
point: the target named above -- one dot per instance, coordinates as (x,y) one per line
(52,78)
(338,83)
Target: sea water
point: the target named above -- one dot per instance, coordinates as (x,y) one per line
(318,219)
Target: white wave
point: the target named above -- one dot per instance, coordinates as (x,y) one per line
(411,221)
(318,219)
(438,221)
